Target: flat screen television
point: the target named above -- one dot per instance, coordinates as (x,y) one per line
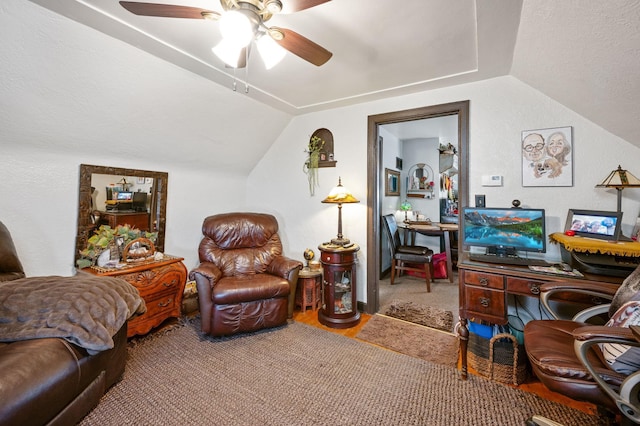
(504,231)
(598,224)
(125,196)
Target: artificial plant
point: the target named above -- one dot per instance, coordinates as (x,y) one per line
(105,236)
(310,166)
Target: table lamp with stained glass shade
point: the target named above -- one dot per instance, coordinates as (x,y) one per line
(406,207)
(619,179)
(340,195)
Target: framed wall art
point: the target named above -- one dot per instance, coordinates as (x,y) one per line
(547,157)
(391,183)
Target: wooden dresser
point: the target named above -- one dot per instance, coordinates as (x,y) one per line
(161,285)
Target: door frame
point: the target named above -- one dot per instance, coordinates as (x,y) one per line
(375,171)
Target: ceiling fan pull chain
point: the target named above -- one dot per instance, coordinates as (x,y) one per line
(246,71)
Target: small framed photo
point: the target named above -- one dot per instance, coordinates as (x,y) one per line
(391,183)
(398,163)
(547,157)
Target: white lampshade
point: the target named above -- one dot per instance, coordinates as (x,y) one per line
(270,51)
(236,28)
(228,52)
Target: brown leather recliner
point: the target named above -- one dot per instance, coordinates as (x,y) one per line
(244,281)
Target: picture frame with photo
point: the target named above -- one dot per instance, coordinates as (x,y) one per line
(547,157)
(392,183)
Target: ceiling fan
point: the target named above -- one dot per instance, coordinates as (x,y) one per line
(242,22)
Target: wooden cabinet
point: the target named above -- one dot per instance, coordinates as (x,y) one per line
(338,307)
(161,285)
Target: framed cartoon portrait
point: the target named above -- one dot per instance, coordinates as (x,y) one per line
(547,157)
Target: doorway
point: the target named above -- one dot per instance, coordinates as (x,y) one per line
(375,175)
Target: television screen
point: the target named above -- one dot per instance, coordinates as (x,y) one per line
(125,196)
(504,229)
(594,223)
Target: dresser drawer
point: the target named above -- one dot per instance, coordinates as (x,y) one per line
(523,286)
(485,302)
(482,279)
(157,281)
(161,305)
(337,258)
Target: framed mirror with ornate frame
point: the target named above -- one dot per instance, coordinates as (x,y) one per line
(157,202)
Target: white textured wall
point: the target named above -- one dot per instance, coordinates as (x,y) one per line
(499,110)
(70,95)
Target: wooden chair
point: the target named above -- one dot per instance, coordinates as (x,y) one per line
(412,255)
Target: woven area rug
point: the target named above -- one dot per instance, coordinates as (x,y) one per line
(302,375)
(411,339)
(419,314)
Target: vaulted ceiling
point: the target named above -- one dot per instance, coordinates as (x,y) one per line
(584,54)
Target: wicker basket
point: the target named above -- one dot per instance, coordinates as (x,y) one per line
(499,358)
(138,250)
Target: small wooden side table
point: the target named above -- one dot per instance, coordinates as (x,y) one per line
(308,289)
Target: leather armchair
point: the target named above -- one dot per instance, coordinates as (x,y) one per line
(244,282)
(565,355)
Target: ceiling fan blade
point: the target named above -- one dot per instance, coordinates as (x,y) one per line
(167,10)
(290,6)
(303,47)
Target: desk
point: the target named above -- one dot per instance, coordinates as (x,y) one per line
(442,230)
(484,288)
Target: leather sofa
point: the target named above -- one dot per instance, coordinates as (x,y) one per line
(244,281)
(50,380)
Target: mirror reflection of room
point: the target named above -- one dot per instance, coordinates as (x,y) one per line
(118,200)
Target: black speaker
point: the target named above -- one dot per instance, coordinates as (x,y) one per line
(480,201)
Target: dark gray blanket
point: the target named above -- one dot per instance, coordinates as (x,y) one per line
(83,309)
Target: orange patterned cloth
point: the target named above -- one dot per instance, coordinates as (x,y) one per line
(592,245)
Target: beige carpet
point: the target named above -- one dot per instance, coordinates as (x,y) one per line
(302,375)
(411,339)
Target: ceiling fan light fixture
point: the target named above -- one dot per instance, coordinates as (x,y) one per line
(270,51)
(236,28)
(228,52)
(273,6)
